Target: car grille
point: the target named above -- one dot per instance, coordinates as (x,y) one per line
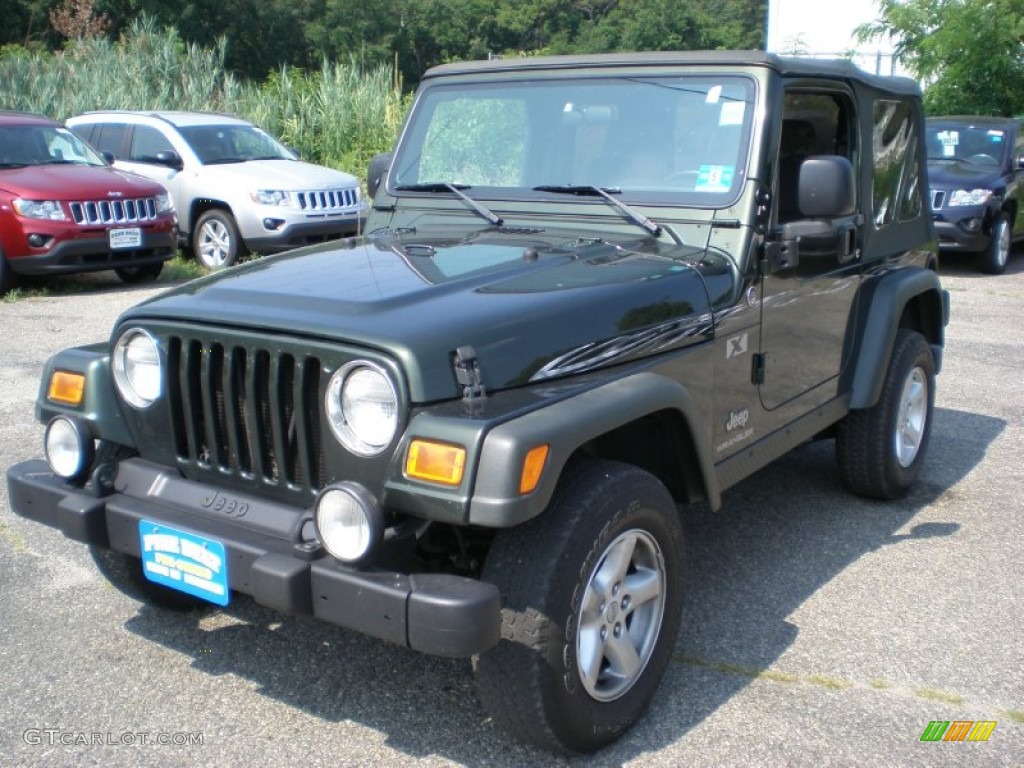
(89,212)
(251,412)
(938,198)
(326,200)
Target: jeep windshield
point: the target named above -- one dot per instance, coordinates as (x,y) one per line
(222,144)
(679,140)
(978,143)
(25,145)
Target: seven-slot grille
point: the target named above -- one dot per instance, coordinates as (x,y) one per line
(253,413)
(938,198)
(89,212)
(324,200)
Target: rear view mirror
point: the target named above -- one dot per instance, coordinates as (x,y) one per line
(170,158)
(379,166)
(827,187)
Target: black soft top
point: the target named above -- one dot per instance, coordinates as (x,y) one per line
(839,69)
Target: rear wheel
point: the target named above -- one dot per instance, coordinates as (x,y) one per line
(881,449)
(994,259)
(7,277)
(216,243)
(144,274)
(593,594)
(124,572)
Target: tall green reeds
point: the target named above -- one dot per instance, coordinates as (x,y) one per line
(339,116)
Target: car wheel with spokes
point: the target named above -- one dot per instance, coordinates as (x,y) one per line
(593,592)
(215,241)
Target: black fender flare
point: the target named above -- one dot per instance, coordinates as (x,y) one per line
(567,425)
(881,307)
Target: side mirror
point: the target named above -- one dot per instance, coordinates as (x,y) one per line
(170,158)
(379,167)
(827,187)
(1020,162)
(108,156)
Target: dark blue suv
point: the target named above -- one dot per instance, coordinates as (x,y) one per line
(974,169)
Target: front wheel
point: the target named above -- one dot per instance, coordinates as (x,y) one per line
(593,595)
(215,241)
(133,275)
(881,449)
(993,260)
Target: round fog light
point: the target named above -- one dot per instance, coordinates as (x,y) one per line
(348,522)
(69,447)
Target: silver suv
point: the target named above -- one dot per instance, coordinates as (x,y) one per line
(235,187)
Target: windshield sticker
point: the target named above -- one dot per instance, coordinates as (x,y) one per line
(714,178)
(714,94)
(949,140)
(732,113)
(995,136)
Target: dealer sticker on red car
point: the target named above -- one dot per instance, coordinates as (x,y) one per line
(184,561)
(125,238)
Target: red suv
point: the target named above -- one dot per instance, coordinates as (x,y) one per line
(64,209)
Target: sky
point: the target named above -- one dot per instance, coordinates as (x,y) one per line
(825,28)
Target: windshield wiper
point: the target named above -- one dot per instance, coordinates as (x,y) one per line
(455,189)
(606,192)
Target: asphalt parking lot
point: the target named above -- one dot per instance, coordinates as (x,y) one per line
(819,629)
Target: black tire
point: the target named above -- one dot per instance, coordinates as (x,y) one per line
(993,260)
(132,275)
(8,280)
(216,243)
(547,569)
(881,449)
(124,572)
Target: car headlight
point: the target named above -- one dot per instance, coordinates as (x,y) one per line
(69,447)
(39,209)
(271,197)
(362,407)
(136,364)
(348,521)
(163,204)
(969,197)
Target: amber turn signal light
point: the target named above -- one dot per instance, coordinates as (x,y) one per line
(435,462)
(66,387)
(533,467)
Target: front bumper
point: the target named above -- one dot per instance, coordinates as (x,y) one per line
(954,237)
(294,232)
(268,557)
(92,254)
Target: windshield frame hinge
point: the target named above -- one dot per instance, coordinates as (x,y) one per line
(467,373)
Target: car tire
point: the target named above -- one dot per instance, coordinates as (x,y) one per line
(592,598)
(880,449)
(993,260)
(8,279)
(216,243)
(124,572)
(132,275)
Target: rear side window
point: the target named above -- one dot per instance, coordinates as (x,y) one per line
(896,183)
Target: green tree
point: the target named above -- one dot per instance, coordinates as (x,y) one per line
(969,53)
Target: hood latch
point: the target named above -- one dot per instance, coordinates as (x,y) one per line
(467,372)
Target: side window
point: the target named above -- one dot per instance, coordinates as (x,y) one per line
(896,188)
(146,143)
(109,137)
(812,124)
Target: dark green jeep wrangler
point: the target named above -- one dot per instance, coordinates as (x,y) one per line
(595,290)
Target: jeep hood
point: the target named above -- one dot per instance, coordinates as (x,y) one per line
(531,309)
(960,174)
(276,174)
(75,182)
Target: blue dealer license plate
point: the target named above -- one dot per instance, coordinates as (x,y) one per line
(184,561)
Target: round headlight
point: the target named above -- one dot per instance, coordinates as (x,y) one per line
(69,447)
(348,522)
(136,363)
(362,408)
